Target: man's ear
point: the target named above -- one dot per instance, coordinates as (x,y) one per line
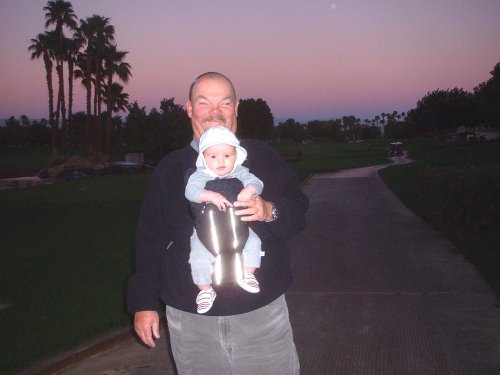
(189,109)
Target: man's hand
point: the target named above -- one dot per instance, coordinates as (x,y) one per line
(147,325)
(256,209)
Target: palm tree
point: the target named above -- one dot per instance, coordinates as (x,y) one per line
(85,72)
(102,38)
(117,101)
(86,81)
(85,59)
(113,64)
(393,116)
(60,13)
(73,46)
(42,47)
(96,34)
(117,98)
(383,115)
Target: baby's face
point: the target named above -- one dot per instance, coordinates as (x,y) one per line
(220,158)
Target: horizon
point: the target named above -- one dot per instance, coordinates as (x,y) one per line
(319,60)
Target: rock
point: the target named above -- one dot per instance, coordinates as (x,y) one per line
(55,170)
(71,163)
(78,162)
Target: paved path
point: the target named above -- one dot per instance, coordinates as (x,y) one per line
(376,292)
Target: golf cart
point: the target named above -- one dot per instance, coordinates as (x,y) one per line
(396,149)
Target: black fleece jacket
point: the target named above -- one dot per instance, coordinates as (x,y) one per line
(162,272)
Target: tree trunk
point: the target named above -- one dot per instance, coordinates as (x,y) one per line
(70,100)
(53,137)
(70,90)
(62,106)
(97,104)
(109,116)
(88,119)
(58,112)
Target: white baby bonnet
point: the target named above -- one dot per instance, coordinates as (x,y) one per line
(215,136)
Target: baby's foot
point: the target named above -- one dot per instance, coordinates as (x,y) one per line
(249,283)
(205,300)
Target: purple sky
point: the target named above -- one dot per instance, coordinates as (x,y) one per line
(315,59)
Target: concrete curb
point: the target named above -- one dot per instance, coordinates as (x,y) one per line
(70,358)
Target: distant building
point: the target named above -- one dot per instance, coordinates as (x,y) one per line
(474,134)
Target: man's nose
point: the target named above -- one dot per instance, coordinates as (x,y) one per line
(214,109)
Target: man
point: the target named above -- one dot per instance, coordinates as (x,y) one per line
(243,333)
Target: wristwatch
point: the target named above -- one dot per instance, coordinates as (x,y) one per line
(274,213)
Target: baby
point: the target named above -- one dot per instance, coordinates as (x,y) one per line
(220,157)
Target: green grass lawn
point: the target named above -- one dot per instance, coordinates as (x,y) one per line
(66,253)
(67,248)
(306,159)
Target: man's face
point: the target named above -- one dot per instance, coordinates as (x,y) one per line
(220,158)
(212,104)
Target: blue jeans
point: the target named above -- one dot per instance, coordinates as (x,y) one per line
(259,342)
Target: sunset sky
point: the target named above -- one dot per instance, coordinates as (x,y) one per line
(314,59)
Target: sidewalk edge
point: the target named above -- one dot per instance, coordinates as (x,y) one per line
(70,358)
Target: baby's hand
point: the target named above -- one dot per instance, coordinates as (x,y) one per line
(246,194)
(220,201)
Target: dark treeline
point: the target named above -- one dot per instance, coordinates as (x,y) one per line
(437,114)
(86,51)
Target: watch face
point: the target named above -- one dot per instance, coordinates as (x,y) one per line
(274,213)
